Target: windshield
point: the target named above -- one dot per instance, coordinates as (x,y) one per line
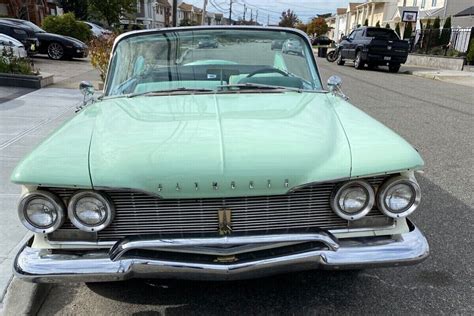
(35,27)
(382,34)
(209,60)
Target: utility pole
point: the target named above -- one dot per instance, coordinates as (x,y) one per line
(245,10)
(251,15)
(230,13)
(256,18)
(203,22)
(268,20)
(175,13)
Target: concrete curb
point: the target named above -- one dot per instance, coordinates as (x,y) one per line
(459,78)
(24,298)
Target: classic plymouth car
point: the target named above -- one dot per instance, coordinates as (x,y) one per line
(216,164)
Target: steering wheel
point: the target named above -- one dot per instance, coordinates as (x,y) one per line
(269,70)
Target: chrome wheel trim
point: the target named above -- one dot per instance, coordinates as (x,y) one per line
(357,60)
(55,51)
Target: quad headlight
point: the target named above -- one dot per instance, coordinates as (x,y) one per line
(353,200)
(399,197)
(41,211)
(90,211)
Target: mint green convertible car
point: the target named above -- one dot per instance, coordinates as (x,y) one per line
(218,164)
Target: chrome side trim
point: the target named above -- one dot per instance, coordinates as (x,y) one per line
(127,244)
(41,266)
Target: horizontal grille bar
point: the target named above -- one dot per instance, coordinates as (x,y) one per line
(138,213)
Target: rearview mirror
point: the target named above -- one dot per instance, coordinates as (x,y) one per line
(334,83)
(86,88)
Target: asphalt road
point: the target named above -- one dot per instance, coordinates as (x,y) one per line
(437,118)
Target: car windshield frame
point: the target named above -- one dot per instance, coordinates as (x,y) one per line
(310,61)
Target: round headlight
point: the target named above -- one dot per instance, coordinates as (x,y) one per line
(90,211)
(41,211)
(353,200)
(399,197)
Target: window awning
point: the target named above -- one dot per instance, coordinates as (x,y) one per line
(466,12)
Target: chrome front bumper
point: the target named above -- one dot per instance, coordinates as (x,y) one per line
(42,266)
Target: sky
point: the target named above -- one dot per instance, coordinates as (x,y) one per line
(305,9)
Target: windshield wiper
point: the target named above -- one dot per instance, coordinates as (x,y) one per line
(256,86)
(159,92)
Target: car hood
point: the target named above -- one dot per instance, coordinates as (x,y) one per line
(62,38)
(217,145)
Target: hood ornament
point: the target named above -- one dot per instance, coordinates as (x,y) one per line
(225,221)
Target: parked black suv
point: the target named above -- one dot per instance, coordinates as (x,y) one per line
(374,46)
(24,34)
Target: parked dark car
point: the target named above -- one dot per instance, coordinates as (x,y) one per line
(208,43)
(277,44)
(292,46)
(374,46)
(24,34)
(322,40)
(54,45)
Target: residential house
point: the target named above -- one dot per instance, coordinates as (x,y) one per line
(430,9)
(351,17)
(185,13)
(32,10)
(341,22)
(162,13)
(331,22)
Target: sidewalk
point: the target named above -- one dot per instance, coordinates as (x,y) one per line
(24,122)
(465,78)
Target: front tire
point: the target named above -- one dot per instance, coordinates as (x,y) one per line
(358,62)
(394,68)
(340,60)
(55,51)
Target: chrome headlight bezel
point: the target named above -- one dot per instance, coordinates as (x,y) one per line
(76,221)
(390,183)
(51,198)
(367,188)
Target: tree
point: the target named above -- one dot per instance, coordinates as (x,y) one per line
(428,24)
(408,30)
(387,26)
(78,7)
(377,24)
(112,10)
(446,32)
(317,26)
(366,22)
(302,27)
(188,22)
(288,19)
(397,29)
(437,23)
(67,24)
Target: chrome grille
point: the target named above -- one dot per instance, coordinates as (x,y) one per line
(138,213)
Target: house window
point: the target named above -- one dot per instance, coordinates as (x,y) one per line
(415,3)
(433,3)
(139,7)
(423,3)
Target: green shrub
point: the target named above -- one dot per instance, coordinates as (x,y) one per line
(15,65)
(67,25)
(470,53)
